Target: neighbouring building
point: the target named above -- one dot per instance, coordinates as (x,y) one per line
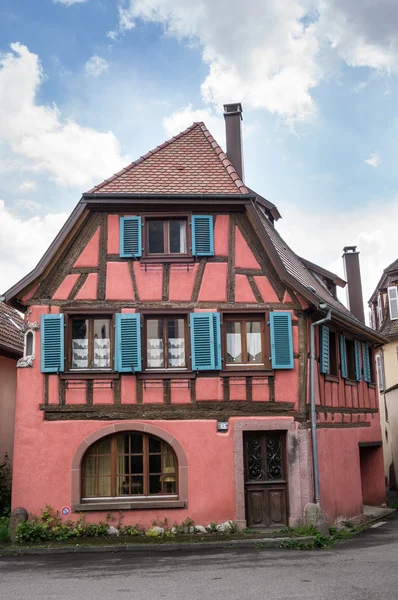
(384,319)
(173,374)
(11,350)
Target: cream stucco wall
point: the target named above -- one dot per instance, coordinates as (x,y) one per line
(8,387)
(388,403)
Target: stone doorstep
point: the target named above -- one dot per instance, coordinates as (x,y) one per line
(165,547)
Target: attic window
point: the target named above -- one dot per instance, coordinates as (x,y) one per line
(393,302)
(166,236)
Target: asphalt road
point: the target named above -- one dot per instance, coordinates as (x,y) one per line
(365,568)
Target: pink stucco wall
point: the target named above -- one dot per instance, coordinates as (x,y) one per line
(8,386)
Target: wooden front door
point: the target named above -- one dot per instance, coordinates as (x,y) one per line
(265,479)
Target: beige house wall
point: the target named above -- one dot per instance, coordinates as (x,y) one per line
(8,388)
(388,403)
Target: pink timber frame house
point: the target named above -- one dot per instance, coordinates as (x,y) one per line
(172,377)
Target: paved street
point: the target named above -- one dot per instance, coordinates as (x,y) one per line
(364,569)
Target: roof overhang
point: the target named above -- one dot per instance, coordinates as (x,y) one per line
(324,272)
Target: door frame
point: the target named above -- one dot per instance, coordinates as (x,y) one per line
(300,489)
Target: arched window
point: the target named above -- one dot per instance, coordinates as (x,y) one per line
(129,463)
(29,344)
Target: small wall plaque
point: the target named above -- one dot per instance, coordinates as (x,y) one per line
(222,426)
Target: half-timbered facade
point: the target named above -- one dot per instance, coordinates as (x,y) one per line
(171,376)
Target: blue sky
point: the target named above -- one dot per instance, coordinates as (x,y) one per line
(88,85)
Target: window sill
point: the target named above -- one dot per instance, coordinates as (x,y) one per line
(253,372)
(351,382)
(167,259)
(147,375)
(128,505)
(333,378)
(89,375)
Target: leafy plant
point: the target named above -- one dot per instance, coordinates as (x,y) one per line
(5,486)
(130,530)
(4,529)
(305,530)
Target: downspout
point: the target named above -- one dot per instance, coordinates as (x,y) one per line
(313,408)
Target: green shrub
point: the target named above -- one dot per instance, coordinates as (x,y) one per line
(304,530)
(5,486)
(4,529)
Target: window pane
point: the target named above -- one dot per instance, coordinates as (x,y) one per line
(176,343)
(177,236)
(29,344)
(136,443)
(154,332)
(156,237)
(136,464)
(79,343)
(253,341)
(234,342)
(155,484)
(104,486)
(155,463)
(102,344)
(104,447)
(169,471)
(155,445)
(104,465)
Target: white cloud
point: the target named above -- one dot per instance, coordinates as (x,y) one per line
(270,55)
(28,186)
(69,2)
(47,142)
(23,242)
(183,118)
(326,233)
(374,160)
(96,65)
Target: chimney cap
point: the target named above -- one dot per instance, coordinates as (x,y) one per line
(347,249)
(234,108)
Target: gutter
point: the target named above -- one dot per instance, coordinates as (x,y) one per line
(313,408)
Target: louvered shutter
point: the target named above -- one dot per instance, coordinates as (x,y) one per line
(325,350)
(130,237)
(343,357)
(358,373)
(52,343)
(393,302)
(205,341)
(380,372)
(128,343)
(366,362)
(281,340)
(202,235)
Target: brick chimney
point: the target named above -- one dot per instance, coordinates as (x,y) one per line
(233,117)
(352,272)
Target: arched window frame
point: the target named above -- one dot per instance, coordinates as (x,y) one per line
(25,343)
(180,500)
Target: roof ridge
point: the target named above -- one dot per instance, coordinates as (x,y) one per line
(141,159)
(224,159)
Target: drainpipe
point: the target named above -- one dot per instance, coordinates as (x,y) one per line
(313,409)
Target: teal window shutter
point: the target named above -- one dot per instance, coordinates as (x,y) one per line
(343,357)
(52,343)
(325,350)
(205,341)
(358,372)
(128,343)
(281,340)
(366,362)
(130,237)
(202,235)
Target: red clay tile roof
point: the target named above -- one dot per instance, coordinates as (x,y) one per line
(11,337)
(190,163)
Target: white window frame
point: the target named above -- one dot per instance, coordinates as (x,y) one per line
(380,372)
(392,292)
(379,311)
(33,344)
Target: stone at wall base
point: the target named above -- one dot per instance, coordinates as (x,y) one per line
(18,515)
(314,516)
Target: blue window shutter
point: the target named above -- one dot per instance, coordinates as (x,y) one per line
(325,350)
(202,235)
(281,340)
(128,343)
(52,343)
(343,357)
(358,373)
(130,237)
(365,362)
(205,341)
